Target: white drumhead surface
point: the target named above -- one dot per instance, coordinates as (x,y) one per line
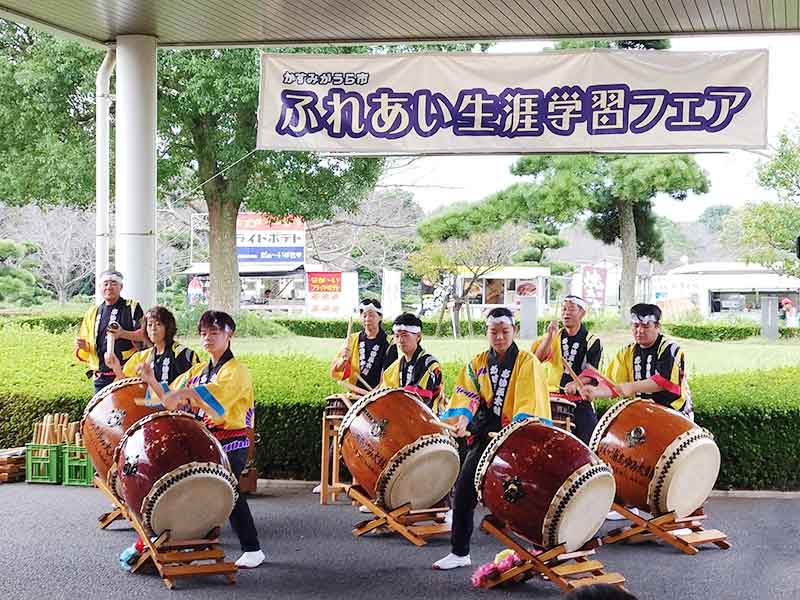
(691,478)
(586,511)
(423,478)
(192,507)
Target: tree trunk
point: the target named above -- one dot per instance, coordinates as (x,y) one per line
(223,266)
(457,304)
(441,315)
(627,234)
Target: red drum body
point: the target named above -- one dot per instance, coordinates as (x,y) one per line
(545,484)
(108,415)
(398,450)
(174,475)
(662,461)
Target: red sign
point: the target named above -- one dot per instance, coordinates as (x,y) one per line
(324,282)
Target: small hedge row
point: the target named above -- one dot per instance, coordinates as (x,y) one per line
(722,332)
(754,416)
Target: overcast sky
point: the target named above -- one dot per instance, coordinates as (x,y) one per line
(439,181)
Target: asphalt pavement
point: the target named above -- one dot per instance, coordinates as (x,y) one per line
(51,548)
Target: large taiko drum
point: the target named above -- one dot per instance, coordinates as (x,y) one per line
(174,475)
(545,484)
(662,461)
(398,450)
(108,415)
(562,410)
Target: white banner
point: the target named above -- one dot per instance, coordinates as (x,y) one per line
(573,101)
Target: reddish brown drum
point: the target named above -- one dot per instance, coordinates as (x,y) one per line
(662,461)
(398,450)
(108,415)
(562,409)
(545,484)
(174,475)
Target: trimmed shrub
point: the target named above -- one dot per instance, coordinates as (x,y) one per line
(712,332)
(754,416)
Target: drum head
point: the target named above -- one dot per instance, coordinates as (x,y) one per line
(422,473)
(688,478)
(190,501)
(580,507)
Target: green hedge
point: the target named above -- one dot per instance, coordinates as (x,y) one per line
(754,416)
(712,332)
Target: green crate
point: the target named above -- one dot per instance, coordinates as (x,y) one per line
(43,463)
(77,466)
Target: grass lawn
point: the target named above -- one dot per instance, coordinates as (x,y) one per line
(701,357)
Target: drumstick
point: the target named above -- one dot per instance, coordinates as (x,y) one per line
(366,385)
(572,374)
(349,328)
(449,426)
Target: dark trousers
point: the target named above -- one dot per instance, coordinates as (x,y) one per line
(465,498)
(585,420)
(102,381)
(241,518)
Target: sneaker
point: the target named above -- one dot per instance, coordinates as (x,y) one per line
(250,560)
(364,509)
(317,489)
(682,531)
(128,557)
(452,561)
(448,518)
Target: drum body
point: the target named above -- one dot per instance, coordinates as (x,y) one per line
(108,415)
(545,484)
(398,450)
(662,461)
(562,410)
(174,475)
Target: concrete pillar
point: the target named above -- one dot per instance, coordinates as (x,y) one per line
(102,140)
(136,167)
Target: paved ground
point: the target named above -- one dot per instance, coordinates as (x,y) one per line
(50,548)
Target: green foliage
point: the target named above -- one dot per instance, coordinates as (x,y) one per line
(754,416)
(713,216)
(17,284)
(722,332)
(765,234)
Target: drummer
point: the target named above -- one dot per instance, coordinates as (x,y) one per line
(652,367)
(221,391)
(414,369)
(498,386)
(361,361)
(574,344)
(167,357)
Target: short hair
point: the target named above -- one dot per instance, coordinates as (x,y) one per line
(408,319)
(166,318)
(643,310)
(599,591)
(216,318)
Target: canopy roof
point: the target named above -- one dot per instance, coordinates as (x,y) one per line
(194,23)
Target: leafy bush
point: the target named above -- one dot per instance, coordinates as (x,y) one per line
(754,416)
(722,332)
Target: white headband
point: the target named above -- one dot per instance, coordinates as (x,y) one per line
(644,320)
(577,301)
(408,328)
(499,320)
(111,277)
(363,307)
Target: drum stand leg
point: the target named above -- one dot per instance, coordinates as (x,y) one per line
(330,486)
(182,559)
(566,570)
(664,527)
(401,520)
(118,512)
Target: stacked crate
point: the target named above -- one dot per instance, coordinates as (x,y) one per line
(56,453)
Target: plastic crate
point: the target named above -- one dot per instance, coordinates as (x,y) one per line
(43,463)
(77,466)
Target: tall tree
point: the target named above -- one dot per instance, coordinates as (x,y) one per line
(766,233)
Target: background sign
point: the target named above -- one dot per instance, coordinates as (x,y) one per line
(260,241)
(569,101)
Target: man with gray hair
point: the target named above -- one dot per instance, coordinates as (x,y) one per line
(110,327)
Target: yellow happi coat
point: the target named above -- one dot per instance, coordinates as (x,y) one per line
(526,396)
